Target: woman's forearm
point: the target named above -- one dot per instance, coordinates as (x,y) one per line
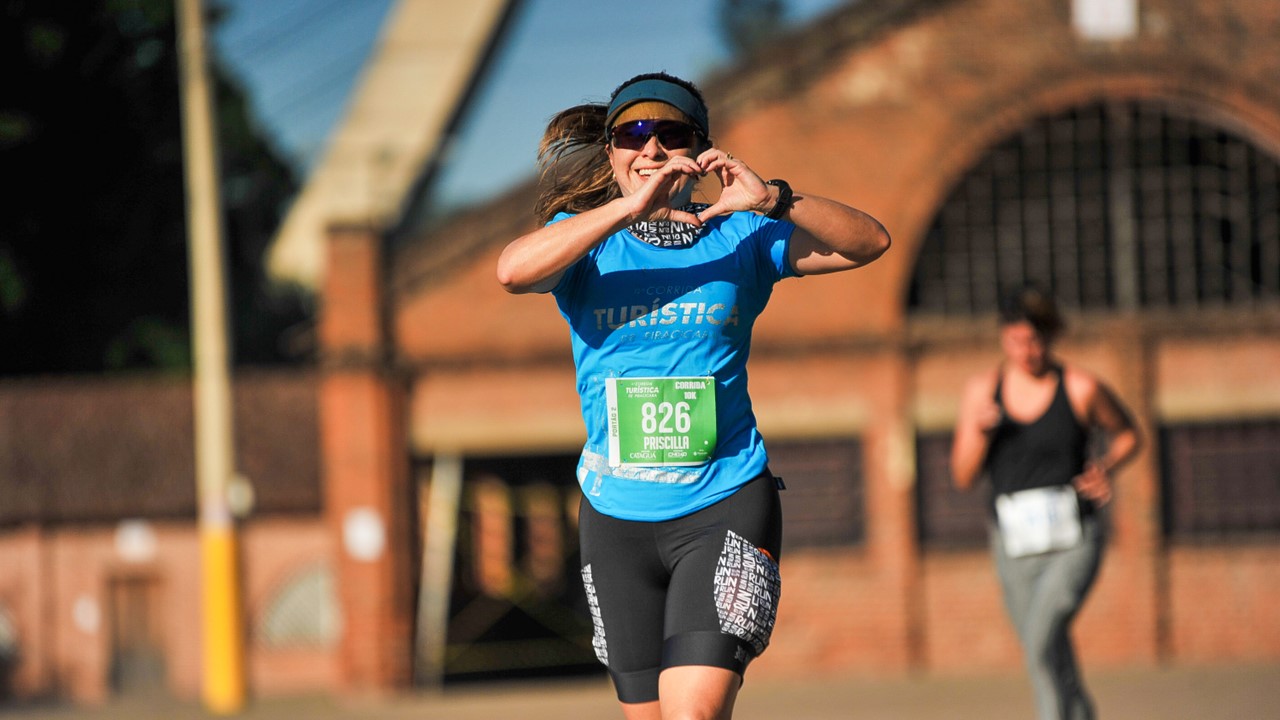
(832,236)
(967,456)
(1121,448)
(841,228)
(534,262)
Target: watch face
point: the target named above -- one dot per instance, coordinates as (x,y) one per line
(784,199)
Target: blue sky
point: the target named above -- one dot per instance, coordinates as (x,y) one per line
(299,60)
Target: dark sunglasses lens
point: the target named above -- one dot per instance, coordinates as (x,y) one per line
(671,134)
(674,135)
(632,135)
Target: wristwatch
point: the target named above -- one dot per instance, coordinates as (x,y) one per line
(781,207)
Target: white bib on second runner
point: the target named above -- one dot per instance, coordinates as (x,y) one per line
(1038,520)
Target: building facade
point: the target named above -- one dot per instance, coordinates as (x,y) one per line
(1126,154)
(1129,164)
(100,589)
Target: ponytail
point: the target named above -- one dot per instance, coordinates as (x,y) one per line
(575,172)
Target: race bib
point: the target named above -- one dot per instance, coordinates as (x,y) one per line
(661,421)
(1038,520)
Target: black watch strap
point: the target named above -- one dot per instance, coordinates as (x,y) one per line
(781,207)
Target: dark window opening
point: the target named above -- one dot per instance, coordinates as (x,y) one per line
(517,607)
(1221,480)
(823,504)
(1118,205)
(946,518)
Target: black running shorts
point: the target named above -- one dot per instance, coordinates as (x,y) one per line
(698,590)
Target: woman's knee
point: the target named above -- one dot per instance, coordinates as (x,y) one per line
(698,692)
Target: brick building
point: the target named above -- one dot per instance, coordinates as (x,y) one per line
(1131,161)
(99,551)
(1131,166)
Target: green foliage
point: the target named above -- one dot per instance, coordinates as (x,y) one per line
(93,244)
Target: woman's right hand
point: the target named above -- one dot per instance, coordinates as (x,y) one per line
(652,200)
(987,417)
(976,423)
(534,262)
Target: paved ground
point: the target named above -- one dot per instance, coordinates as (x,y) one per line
(1214,693)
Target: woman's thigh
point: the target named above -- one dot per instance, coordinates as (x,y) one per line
(725,580)
(626,586)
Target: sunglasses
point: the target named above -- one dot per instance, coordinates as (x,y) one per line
(671,134)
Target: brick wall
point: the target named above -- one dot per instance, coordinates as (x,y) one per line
(365,467)
(56,585)
(888,122)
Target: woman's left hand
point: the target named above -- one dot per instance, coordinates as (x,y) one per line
(741,189)
(829,236)
(1094,484)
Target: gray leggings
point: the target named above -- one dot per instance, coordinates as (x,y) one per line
(1042,594)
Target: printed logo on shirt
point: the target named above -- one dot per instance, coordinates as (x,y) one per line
(658,313)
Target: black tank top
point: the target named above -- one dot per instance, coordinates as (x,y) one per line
(1049,450)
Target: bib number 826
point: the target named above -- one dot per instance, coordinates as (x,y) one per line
(658,417)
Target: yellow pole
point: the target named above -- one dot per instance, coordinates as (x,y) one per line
(223,686)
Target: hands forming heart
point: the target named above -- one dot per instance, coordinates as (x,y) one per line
(741,189)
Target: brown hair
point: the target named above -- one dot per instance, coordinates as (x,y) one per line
(575,174)
(1032,305)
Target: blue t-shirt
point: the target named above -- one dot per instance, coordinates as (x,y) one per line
(637,311)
